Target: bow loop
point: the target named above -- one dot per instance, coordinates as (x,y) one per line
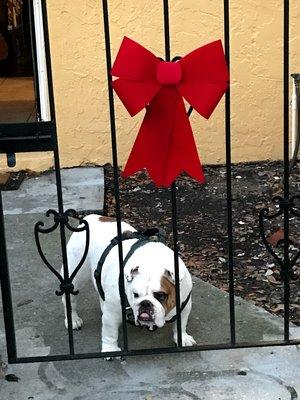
(134,62)
(205,77)
(136,68)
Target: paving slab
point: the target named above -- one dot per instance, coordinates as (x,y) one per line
(262,374)
(83,190)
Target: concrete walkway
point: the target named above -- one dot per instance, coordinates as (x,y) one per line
(262,374)
(82,188)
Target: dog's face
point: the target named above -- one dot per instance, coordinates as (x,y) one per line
(151,297)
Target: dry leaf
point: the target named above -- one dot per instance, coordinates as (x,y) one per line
(264,298)
(4,177)
(279,307)
(297,306)
(276,237)
(273,280)
(269,272)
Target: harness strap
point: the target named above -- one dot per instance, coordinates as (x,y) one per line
(173,319)
(142,240)
(98,271)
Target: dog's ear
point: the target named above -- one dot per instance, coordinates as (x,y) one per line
(155,234)
(170,275)
(134,271)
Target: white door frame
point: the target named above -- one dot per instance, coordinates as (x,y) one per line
(41,61)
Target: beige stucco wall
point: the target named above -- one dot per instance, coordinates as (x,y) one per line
(77,43)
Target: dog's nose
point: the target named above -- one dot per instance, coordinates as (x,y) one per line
(145,304)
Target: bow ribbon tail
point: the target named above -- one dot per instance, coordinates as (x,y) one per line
(165,144)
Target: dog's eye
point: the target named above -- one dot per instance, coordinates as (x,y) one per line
(135,295)
(160,296)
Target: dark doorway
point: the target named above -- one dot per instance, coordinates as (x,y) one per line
(17,97)
(16,61)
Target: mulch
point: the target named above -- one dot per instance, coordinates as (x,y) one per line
(202,227)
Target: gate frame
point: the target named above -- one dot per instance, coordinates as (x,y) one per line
(42,136)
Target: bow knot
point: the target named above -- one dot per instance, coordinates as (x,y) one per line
(168,73)
(165,144)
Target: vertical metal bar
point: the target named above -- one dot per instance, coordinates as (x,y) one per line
(228,179)
(63,243)
(58,178)
(173,192)
(176,263)
(6,293)
(34,59)
(167,31)
(286,169)
(116,170)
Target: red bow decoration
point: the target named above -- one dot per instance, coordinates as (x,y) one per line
(165,144)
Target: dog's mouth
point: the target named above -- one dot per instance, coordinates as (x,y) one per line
(145,316)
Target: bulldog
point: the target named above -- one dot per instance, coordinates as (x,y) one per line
(148,277)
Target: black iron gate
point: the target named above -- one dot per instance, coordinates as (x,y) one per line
(41,136)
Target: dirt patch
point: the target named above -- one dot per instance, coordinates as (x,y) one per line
(202,226)
(11,180)
(4,177)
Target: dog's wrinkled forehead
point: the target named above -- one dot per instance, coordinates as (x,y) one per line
(146,283)
(143,282)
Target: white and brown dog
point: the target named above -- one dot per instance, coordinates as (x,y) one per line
(149,281)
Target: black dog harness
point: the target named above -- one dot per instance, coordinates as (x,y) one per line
(148,236)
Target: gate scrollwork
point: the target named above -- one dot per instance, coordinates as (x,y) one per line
(66,285)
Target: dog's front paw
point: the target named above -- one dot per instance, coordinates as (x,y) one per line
(108,348)
(187,340)
(77,322)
